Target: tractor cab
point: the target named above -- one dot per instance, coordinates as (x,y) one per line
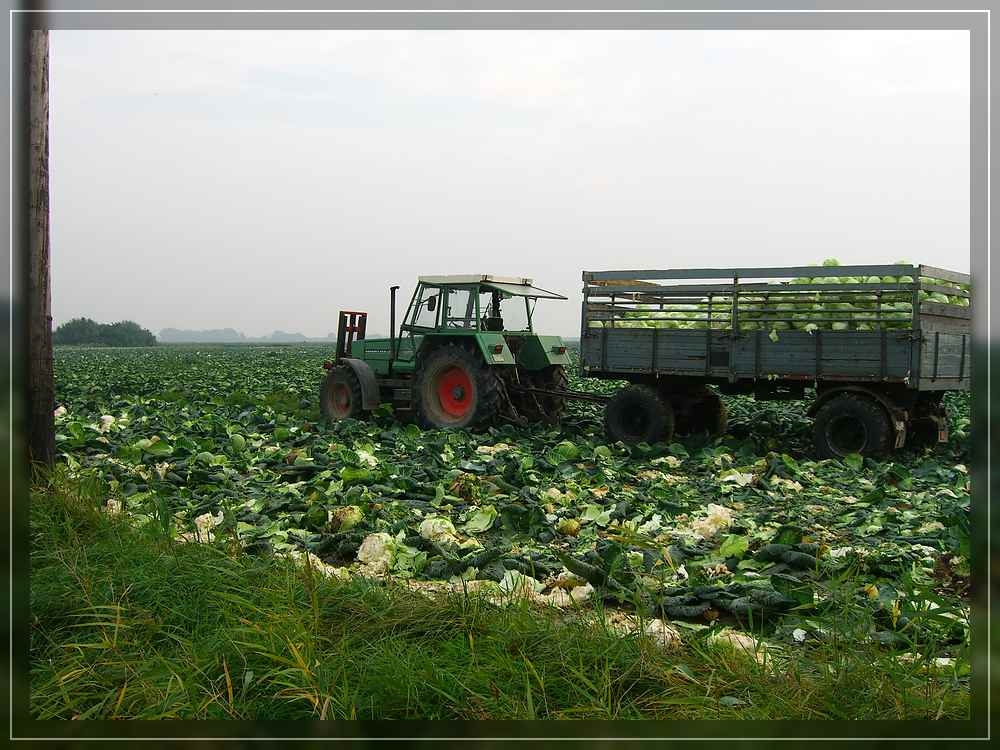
(445,305)
(482,325)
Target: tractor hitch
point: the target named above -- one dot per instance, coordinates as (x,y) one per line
(563,393)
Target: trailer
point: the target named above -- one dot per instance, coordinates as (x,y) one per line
(878,345)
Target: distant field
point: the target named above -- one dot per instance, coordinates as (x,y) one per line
(746,534)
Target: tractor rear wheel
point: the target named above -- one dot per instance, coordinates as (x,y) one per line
(340,395)
(637,414)
(454,388)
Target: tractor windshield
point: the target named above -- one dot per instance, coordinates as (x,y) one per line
(503,312)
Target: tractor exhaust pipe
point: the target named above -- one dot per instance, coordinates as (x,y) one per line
(392,323)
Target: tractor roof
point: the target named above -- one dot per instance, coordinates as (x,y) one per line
(509,285)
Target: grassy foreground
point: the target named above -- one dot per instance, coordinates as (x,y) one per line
(127,623)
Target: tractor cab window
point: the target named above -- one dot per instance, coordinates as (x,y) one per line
(461,309)
(425,307)
(503,312)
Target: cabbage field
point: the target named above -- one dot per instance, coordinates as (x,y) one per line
(223,445)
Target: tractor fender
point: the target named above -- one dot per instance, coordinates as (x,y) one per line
(486,343)
(897,416)
(538,352)
(365,376)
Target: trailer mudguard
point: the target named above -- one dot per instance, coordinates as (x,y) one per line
(365,376)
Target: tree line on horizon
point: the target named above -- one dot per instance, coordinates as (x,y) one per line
(84,331)
(87,332)
(232,336)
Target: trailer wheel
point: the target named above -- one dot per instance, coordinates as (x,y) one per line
(700,411)
(922,430)
(340,395)
(852,423)
(454,388)
(637,414)
(715,415)
(922,433)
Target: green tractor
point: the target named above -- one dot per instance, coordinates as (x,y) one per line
(455,361)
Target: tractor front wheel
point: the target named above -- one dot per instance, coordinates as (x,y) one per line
(340,395)
(455,389)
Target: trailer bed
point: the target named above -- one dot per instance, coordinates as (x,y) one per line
(781,329)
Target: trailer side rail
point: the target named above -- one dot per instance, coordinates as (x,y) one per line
(890,323)
(895,299)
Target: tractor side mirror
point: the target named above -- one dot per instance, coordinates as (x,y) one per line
(432,303)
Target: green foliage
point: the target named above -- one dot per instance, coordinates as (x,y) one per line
(86,332)
(127,624)
(746,529)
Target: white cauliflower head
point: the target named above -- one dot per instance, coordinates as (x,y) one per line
(741,643)
(566,597)
(514,582)
(205,523)
(375,552)
(661,633)
(491,450)
(437,529)
(719,517)
(366,457)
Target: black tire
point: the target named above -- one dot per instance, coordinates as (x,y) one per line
(340,395)
(922,430)
(716,416)
(921,433)
(454,388)
(637,414)
(852,423)
(698,412)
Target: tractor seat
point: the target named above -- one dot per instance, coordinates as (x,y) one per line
(493,324)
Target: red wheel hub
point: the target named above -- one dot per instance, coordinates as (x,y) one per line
(454,390)
(341,398)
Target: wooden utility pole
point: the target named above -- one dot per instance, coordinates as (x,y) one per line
(41,388)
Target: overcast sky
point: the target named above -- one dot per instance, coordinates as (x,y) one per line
(265,180)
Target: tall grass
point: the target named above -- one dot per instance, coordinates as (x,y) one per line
(127,623)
